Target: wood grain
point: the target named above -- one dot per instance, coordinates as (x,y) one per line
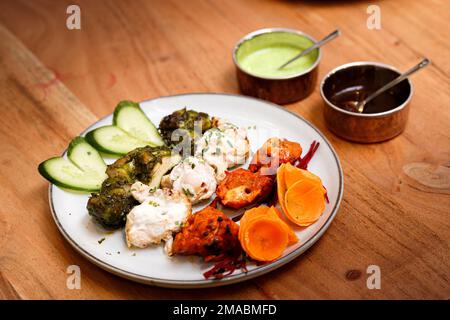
(54,82)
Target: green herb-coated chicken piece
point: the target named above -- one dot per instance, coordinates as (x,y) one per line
(110,206)
(189,121)
(138,164)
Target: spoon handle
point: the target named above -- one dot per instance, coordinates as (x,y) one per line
(328,38)
(393,83)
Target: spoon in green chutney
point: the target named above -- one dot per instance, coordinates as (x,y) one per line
(318,44)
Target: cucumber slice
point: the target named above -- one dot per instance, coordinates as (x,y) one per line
(129,117)
(82,154)
(113,141)
(65,174)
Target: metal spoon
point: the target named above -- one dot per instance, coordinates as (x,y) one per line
(359,105)
(318,44)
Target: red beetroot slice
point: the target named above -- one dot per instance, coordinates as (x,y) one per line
(303,162)
(226,267)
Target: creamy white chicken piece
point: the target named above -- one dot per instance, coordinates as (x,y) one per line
(161,213)
(223,147)
(194,177)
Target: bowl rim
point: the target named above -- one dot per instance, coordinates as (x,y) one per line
(263,31)
(365,115)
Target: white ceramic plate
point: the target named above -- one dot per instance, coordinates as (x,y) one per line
(151,265)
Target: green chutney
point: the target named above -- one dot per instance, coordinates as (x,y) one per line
(263,54)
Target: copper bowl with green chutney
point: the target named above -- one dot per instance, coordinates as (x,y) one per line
(258,56)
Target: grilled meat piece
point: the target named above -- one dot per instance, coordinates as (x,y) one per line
(187,120)
(194,177)
(224,146)
(210,234)
(161,214)
(138,164)
(242,187)
(273,153)
(111,205)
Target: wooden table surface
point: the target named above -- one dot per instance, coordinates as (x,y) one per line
(54,82)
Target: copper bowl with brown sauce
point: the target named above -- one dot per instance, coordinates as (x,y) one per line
(383,118)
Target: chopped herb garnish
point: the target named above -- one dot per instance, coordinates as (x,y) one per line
(153,203)
(101,240)
(229,143)
(187,192)
(192,165)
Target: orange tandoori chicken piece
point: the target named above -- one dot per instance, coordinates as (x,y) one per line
(210,234)
(273,153)
(242,187)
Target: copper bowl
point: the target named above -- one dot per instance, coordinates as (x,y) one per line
(279,90)
(384,117)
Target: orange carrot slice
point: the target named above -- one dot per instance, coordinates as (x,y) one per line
(281,186)
(263,211)
(304,202)
(249,214)
(293,174)
(292,237)
(265,239)
(248,233)
(258,213)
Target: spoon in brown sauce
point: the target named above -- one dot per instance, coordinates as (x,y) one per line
(358,106)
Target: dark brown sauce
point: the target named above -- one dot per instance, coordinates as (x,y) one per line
(348,98)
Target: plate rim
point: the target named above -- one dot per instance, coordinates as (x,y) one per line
(231,279)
